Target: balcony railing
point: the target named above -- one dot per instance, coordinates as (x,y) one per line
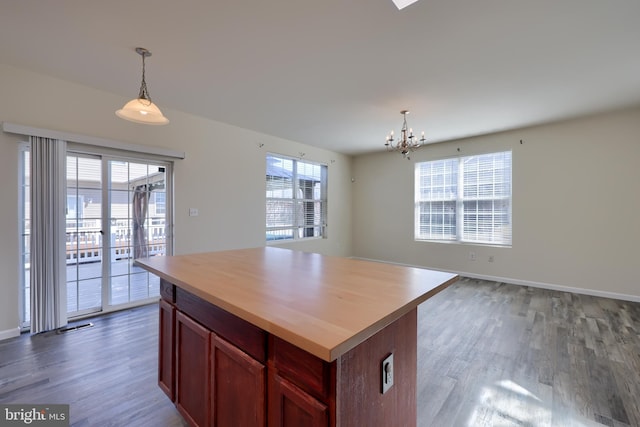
(86,244)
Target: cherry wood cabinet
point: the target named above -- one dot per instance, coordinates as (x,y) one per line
(250,338)
(211,381)
(167,345)
(238,396)
(193,350)
(217,383)
(289,406)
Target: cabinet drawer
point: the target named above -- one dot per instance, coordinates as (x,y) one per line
(305,370)
(249,338)
(167,291)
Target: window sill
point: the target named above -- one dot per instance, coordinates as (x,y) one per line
(285,241)
(455,242)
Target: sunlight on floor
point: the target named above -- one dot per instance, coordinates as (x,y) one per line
(506,403)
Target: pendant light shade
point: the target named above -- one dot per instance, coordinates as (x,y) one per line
(141,109)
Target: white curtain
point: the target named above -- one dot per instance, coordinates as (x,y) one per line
(140,207)
(48,234)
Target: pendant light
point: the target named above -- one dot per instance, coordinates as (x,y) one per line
(141,109)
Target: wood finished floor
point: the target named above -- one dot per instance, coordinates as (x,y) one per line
(489,354)
(107,373)
(492,354)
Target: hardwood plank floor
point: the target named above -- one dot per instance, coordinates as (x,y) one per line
(493,354)
(107,373)
(489,354)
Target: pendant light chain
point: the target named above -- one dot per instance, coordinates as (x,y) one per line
(144,92)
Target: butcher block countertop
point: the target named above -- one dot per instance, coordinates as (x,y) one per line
(323,304)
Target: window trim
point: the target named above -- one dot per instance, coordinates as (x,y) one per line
(459,202)
(295,229)
(92,141)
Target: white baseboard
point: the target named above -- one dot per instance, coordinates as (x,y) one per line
(550,286)
(9,333)
(553,287)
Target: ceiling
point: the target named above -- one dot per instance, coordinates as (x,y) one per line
(336,73)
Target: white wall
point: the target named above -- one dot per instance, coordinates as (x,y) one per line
(222,175)
(576,204)
(575,191)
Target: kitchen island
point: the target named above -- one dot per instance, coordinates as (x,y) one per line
(271,336)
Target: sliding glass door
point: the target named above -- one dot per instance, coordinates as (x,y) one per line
(85,243)
(118,209)
(137,227)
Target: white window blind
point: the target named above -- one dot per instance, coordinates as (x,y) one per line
(466,199)
(296,200)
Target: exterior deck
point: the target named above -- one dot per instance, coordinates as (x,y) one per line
(125,283)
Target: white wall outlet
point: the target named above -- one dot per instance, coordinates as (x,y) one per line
(193,212)
(491,259)
(387,373)
(472,256)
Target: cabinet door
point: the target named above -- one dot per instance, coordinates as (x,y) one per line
(289,406)
(239,385)
(166,349)
(193,350)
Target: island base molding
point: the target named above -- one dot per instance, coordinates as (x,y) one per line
(220,370)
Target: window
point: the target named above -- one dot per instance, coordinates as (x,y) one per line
(465,199)
(160,202)
(296,198)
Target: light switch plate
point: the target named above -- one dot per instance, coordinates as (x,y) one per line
(386,373)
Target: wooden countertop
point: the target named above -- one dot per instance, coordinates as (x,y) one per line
(322,304)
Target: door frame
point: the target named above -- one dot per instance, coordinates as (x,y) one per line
(105,154)
(106,222)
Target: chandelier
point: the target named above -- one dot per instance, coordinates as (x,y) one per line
(408,142)
(141,109)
